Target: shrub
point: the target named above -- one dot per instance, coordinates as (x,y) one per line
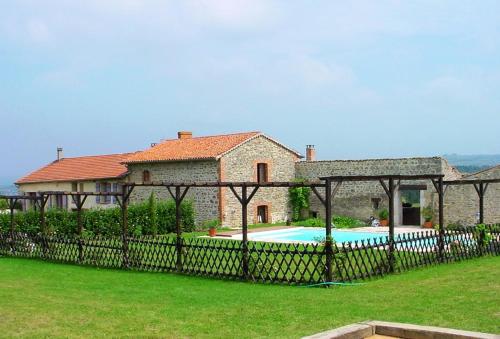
(383,214)
(311,222)
(4,205)
(427,213)
(210,224)
(299,199)
(106,221)
(346,222)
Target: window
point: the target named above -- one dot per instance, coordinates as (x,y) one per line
(82,188)
(146,177)
(103,187)
(74,187)
(262,175)
(61,201)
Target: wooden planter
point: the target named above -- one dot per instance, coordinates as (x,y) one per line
(384,222)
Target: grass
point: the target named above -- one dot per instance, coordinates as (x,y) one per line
(40,299)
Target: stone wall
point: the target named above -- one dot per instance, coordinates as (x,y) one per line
(206,200)
(356,199)
(241,165)
(462,202)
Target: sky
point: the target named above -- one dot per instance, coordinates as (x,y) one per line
(358,79)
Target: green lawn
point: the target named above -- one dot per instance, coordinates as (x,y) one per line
(45,299)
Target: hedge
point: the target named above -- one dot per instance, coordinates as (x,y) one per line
(141,220)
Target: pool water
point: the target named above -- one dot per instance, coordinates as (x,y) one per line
(314,235)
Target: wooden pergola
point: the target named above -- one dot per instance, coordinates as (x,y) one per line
(247,190)
(389,183)
(480,185)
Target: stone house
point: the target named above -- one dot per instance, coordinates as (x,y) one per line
(251,156)
(102,173)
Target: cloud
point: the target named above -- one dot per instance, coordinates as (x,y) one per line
(38,31)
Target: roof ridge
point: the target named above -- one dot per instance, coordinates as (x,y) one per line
(95,156)
(212,136)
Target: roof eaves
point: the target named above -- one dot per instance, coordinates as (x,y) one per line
(21,182)
(168,160)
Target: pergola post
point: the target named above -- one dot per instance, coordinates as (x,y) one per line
(244,225)
(328,231)
(124,207)
(441,218)
(390,190)
(43,202)
(391,224)
(244,200)
(481,188)
(439,186)
(12,205)
(178,197)
(79,202)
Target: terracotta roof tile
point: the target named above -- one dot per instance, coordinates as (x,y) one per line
(80,168)
(197,148)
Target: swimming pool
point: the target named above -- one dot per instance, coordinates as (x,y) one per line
(302,234)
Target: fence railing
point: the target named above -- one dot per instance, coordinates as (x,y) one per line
(289,263)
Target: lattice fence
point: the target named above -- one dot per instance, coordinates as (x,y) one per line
(265,262)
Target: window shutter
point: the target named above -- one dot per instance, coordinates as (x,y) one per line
(108,189)
(97,190)
(115,189)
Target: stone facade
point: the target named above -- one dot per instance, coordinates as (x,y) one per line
(462,202)
(241,165)
(363,199)
(205,200)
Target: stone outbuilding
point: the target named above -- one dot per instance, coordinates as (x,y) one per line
(364,199)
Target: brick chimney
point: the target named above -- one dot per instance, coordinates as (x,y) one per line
(60,154)
(310,153)
(184,135)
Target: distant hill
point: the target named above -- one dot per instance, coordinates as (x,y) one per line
(8,190)
(473,162)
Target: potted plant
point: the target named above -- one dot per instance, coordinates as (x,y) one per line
(212,231)
(212,227)
(383,216)
(428,214)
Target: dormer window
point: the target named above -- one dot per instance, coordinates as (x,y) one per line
(146,177)
(262,172)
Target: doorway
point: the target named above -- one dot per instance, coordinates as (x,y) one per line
(410,203)
(262,214)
